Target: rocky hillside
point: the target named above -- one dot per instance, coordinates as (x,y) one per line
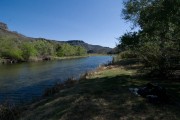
(3,26)
(5,32)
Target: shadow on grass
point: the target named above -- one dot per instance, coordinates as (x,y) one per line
(8,112)
(132,63)
(103,98)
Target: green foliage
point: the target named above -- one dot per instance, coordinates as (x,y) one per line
(13,53)
(28,50)
(158,43)
(127,54)
(129,41)
(68,50)
(44,48)
(80,51)
(14,49)
(10,49)
(65,50)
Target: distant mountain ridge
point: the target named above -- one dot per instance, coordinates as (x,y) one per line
(4,31)
(90,48)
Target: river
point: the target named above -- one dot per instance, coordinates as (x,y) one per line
(22,83)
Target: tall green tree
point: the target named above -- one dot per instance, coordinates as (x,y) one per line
(44,48)
(28,50)
(9,49)
(128,41)
(159,39)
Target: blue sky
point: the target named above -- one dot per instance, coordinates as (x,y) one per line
(97,22)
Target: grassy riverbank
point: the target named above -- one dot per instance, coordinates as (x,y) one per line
(96,54)
(35,59)
(70,57)
(103,95)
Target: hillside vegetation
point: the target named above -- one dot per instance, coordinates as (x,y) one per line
(15,47)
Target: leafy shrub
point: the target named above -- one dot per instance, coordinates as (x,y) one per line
(127,54)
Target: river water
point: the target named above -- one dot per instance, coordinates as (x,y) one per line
(22,83)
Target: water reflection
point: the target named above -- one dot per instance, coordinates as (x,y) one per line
(22,82)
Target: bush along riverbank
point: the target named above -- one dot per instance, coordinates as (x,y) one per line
(104,94)
(35,59)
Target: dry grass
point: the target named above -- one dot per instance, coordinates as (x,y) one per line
(8,112)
